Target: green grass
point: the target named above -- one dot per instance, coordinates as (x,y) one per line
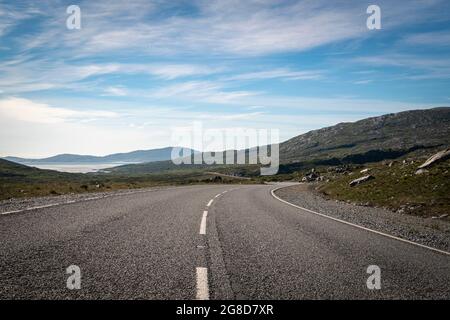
(397,187)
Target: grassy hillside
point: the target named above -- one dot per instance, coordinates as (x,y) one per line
(10,170)
(396,187)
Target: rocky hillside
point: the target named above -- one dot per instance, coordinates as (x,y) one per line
(398,133)
(404,185)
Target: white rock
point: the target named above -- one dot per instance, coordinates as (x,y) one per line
(421,171)
(441,155)
(361,180)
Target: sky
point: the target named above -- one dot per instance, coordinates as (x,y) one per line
(137,70)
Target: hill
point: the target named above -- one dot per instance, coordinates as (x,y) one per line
(370,140)
(399,133)
(11,170)
(138,156)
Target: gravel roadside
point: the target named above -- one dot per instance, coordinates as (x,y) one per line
(431,232)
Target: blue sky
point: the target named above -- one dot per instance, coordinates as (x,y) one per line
(136,70)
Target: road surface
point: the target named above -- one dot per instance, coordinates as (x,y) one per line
(206,242)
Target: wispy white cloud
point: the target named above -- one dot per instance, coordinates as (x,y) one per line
(363,81)
(29,111)
(116,91)
(280,73)
(11,15)
(435,39)
(241,27)
(252,27)
(418,67)
(247,28)
(315,105)
(404,60)
(173,71)
(204,91)
(33,75)
(230,117)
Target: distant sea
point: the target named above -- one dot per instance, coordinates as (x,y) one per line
(77,168)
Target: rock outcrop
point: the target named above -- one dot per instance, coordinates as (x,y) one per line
(440,156)
(361,180)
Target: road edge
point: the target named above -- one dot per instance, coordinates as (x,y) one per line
(272,192)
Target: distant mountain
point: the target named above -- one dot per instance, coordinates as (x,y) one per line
(373,139)
(139,156)
(61,158)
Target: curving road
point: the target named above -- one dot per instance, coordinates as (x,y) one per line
(215,241)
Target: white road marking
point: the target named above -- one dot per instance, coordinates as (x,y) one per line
(32,208)
(217,195)
(357,226)
(210,202)
(10,212)
(202,284)
(203,223)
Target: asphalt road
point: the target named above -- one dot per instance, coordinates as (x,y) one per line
(150,245)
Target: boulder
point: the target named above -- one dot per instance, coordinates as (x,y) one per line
(421,171)
(365,170)
(440,156)
(312,176)
(361,180)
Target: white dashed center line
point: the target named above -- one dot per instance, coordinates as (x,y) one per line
(202,284)
(203,223)
(202,272)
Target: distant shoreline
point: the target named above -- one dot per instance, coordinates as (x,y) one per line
(76,167)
